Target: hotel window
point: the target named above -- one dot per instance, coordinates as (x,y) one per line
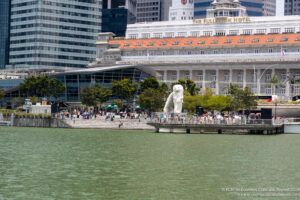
(182,34)
(242,51)
(268,89)
(289,30)
(189,42)
(247,31)
(164,53)
(284,39)
(214,42)
(275,30)
(187,75)
(298,49)
(255,40)
(270,50)
(220,33)
(170,34)
(189,52)
(240,77)
(296,89)
(226,76)
(151,44)
(175,43)
(215,52)
(228,41)
(127,44)
(297,38)
(270,39)
(233,32)
(282,76)
(297,75)
(207,33)
(133,36)
(201,42)
(139,44)
(163,43)
(260,31)
(157,35)
(195,33)
(202,52)
(242,41)
(174,76)
(200,76)
(140,53)
(268,76)
(145,35)
(282,90)
(213,76)
(228,51)
(256,50)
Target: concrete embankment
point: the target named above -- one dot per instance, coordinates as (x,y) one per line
(40,122)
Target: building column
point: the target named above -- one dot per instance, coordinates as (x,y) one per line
(203,81)
(258,81)
(287,84)
(165,76)
(230,75)
(245,78)
(217,81)
(191,74)
(178,75)
(273,87)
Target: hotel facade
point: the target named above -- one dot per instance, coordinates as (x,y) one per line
(214,52)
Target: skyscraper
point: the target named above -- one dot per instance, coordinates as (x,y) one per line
(50,34)
(292,7)
(4,32)
(181,10)
(148,10)
(254,7)
(273,7)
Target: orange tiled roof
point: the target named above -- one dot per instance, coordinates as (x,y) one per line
(208,41)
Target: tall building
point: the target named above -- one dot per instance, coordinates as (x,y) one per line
(254,7)
(130,5)
(164,10)
(51,34)
(4,32)
(181,10)
(148,10)
(115,20)
(273,7)
(292,7)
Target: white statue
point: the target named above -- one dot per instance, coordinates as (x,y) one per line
(175,100)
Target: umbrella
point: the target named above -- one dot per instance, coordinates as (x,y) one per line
(138,107)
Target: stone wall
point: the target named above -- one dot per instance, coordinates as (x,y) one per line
(45,123)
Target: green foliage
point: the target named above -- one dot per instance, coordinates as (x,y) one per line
(151,99)
(91,96)
(19,101)
(241,99)
(188,85)
(119,104)
(151,82)
(34,100)
(124,90)
(1,93)
(42,86)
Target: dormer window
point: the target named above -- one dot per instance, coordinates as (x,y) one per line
(284,39)
(201,42)
(270,40)
(228,41)
(151,44)
(298,39)
(163,43)
(189,42)
(255,40)
(139,44)
(214,42)
(127,44)
(176,43)
(242,41)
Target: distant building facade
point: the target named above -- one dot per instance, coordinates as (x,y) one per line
(181,10)
(254,7)
(51,34)
(148,10)
(292,7)
(273,7)
(4,32)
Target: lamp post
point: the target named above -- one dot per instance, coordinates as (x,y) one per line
(276,102)
(262,74)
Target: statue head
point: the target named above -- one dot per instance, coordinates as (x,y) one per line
(178,88)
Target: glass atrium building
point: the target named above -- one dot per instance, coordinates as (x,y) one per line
(4,32)
(51,33)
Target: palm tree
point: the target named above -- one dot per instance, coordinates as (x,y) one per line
(274,82)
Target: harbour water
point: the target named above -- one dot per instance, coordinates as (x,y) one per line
(46,164)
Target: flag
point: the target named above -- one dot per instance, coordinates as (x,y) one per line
(282,52)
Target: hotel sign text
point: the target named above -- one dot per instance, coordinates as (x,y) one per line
(221,20)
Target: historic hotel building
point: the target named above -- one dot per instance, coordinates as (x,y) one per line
(227,47)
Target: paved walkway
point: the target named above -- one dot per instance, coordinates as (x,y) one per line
(101,123)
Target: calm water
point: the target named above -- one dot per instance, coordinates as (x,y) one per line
(103,164)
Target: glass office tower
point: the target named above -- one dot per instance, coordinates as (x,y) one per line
(4,32)
(51,33)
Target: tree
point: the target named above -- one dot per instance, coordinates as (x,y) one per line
(88,97)
(102,94)
(34,100)
(241,99)
(124,90)
(1,93)
(42,86)
(151,99)
(274,82)
(151,82)
(18,101)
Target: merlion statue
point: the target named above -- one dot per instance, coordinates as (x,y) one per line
(175,100)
